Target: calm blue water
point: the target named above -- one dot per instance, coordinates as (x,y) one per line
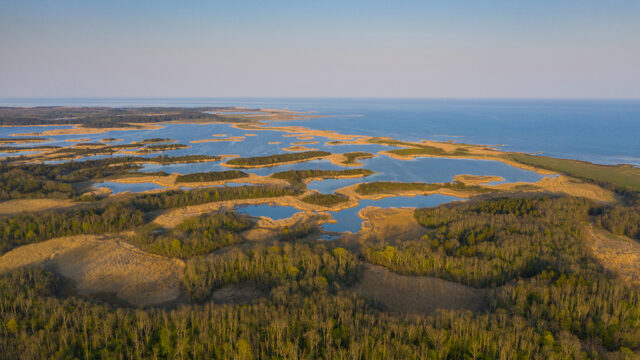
(271,211)
(119,187)
(599,131)
(433,170)
(231,184)
(348,219)
(215,166)
(17,153)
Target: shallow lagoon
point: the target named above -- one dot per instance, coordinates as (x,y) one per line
(120,187)
(231,184)
(215,166)
(432,170)
(348,219)
(387,169)
(271,211)
(16,153)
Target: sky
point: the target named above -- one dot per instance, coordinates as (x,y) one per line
(320,48)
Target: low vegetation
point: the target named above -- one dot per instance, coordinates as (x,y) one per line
(298,176)
(326,200)
(389,187)
(211,176)
(272,160)
(154,141)
(163,147)
(413,149)
(298,230)
(352,157)
(22,139)
(624,176)
(14,149)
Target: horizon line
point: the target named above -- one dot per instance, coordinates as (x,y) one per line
(323,97)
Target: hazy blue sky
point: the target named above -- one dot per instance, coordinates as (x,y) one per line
(542,49)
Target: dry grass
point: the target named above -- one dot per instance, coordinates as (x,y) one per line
(415,294)
(476,179)
(299,148)
(565,185)
(103,265)
(31,205)
(617,254)
(390,224)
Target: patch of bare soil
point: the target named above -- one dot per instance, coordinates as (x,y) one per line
(29,205)
(618,254)
(103,265)
(417,294)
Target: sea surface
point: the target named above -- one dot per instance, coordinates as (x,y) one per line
(600,131)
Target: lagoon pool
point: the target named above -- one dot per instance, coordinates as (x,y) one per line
(349,220)
(117,188)
(274,212)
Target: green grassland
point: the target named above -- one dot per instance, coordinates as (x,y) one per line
(620,175)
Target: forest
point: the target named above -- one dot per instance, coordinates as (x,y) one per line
(548,297)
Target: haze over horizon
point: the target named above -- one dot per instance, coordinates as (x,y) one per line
(466,49)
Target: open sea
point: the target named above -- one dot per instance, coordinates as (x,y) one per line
(600,131)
